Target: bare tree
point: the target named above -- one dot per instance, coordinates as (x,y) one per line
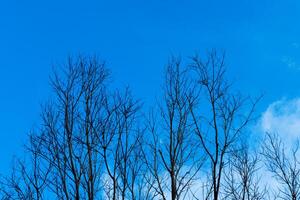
(90,135)
(68,136)
(130,142)
(242,181)
(92,144)
(29,177)
(224,116)
(173,165)
(120,147)
(283,165)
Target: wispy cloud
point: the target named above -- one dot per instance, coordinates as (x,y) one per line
(282,117)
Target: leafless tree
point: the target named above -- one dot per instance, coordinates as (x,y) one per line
(28,179)
(242,180)
(172,160)
(90,135)
(225,115)
(93,142)
(69,137)
(121,149)
(283,165)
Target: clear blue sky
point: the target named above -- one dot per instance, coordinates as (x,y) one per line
(136,38)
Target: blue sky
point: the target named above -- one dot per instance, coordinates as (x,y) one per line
(261,39)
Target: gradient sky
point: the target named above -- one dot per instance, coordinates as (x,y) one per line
(261,39)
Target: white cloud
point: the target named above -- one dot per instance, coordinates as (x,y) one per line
(282,117)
